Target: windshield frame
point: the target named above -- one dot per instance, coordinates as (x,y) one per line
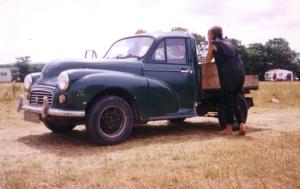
(138,36)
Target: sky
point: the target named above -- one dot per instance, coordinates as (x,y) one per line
(58,29)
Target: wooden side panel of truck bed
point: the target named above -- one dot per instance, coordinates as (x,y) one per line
(210,78)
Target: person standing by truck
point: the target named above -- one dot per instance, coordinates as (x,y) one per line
(231,76)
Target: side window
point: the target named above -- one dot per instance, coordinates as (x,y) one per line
(159,54)
(176,51)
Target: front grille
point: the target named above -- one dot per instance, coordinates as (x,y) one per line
(37,95)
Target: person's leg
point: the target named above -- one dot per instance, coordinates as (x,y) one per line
(230,115)
(239,115)
(237,109)
(228,102)
(238,112)
(242,130)
(227,87)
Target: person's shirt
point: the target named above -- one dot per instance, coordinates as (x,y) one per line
(226,52)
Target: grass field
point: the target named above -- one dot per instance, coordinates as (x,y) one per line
(287,92)
(159,155)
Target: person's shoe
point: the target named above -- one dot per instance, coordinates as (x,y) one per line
(242,129)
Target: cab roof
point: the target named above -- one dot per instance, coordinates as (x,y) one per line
(166,34)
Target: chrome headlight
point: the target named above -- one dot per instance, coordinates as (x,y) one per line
(28,81)
(63,81)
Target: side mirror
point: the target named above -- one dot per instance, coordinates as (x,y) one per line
(94,54)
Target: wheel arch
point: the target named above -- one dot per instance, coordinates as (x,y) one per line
(115,91)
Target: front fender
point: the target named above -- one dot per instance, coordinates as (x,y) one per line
(84,89)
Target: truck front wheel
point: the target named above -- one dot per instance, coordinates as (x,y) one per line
(242,103)
(109,120)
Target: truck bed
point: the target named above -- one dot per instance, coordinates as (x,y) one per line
(210,79)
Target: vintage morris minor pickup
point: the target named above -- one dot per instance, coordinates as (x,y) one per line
(141,78)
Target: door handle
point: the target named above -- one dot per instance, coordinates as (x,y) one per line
(186,71)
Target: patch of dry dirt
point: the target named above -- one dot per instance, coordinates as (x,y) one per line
(36,138)
(32,156)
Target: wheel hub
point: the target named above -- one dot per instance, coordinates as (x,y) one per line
(111,120)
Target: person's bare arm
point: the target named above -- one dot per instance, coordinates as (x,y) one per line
(209,56)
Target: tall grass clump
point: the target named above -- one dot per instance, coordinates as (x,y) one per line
(10,92)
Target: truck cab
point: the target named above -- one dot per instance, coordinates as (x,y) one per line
(141,78)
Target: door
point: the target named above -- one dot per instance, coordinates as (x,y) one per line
(169,67)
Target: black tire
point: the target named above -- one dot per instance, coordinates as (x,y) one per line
(57,127)
(109,120)
(221,113)
(178,120)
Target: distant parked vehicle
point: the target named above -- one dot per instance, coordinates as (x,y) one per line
(5,75)
(279,75)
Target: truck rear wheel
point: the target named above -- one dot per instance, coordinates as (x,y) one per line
(109,120)
(221,113)
(56,127)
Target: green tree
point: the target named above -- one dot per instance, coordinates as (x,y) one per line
(242,49)
(258,60)
(22,63)
(298,68)
(280,54)
(202,45)
(140,31)
(295,67)
(200,39)
(35,68)
(15,73)
(275,53)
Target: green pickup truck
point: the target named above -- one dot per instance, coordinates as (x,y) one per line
(141,78)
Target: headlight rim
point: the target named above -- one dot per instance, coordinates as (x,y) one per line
(28,81)
(64,76)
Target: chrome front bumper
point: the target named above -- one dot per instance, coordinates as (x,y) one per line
(44,110)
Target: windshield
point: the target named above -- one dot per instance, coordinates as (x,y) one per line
(135,47)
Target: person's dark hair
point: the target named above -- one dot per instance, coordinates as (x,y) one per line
(216,32)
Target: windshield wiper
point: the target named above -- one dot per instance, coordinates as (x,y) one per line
(128,56)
